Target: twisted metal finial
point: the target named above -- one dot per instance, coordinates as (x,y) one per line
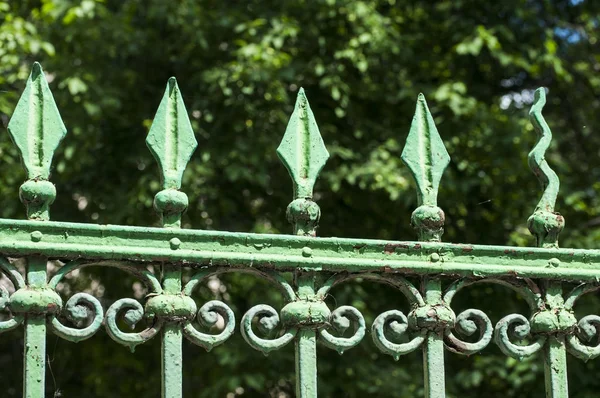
(545,224)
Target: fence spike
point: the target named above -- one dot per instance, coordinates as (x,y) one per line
(171,138)
(545,224)
(426,156)
(304,154)
(36,128)
(171,141)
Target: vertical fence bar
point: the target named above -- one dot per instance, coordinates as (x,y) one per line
(35,335)
(36,129)
(555,354)
(171,341)
(171,140)
(433,350)
(303,153)
(425,155)
(545,224)
(306,344)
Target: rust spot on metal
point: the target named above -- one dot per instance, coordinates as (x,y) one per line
(390,248)
(358,248)
(467,249)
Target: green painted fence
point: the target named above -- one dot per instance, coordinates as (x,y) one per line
(317,264)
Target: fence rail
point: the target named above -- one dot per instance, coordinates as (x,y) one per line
(537,274)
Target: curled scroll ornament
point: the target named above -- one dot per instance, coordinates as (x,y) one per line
(82,304)
(19,283)
(268,320)
(519,327)
(77,310)
(588,327)
(208,316)
(341,319)
(390,330)
(467,323)
(516,326)
(209,313)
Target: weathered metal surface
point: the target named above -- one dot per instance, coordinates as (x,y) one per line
(427,158)
(36,128)
(317,264)
(545,224)
(286,252)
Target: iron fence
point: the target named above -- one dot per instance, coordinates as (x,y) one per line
(538,274)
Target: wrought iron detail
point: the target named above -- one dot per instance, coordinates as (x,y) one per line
(419,270)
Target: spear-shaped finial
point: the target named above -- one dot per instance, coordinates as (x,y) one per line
(303,153)
(545,224)
(171,140)
(36,129)
(426,156)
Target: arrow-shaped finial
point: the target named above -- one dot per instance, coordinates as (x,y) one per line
(36,126)
(426,156)
(171,140)
(302,150)
(303,153)
(36,129)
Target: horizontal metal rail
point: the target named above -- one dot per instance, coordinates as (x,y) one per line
(61,240)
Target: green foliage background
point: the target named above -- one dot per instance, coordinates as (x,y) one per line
(239,65)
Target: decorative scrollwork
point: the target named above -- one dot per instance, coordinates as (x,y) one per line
(134,312)
(341,319)
(518,326)
(208,316)
(467,323)
(81,305)
(17,280)
(396,325)
(268,320)
(588,328)
(78,309)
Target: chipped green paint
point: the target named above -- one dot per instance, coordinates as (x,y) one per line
(545,224)
(303,153)
(427,158)
(425,154)
(302,150)
(36,126)
(171,140)
(317,264)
